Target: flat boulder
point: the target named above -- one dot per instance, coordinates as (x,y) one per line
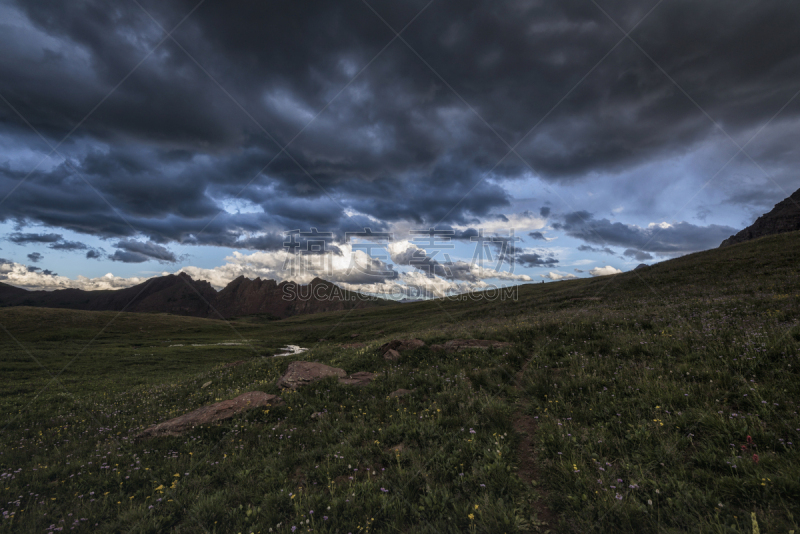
(212,413)
(462,344)
(302,373)
(399,393)
(362,378)
(401,345)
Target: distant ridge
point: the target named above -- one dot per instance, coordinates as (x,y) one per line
(784,217)
(181,295)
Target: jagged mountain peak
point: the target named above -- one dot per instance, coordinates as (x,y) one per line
(784,217)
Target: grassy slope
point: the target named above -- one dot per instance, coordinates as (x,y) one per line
(653,378)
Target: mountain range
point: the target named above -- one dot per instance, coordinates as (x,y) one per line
(179,294)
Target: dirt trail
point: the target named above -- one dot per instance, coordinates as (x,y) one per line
(528,471)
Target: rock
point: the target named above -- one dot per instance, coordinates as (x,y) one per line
(461,344)
(206,384)
(399,393)
(391,355)
(361,378)
(784,217)
(233,364)
(210,414)
(302,373)
(317,415)
(401,345)
(353,335)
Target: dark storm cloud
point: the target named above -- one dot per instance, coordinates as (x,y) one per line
(677,238)
(130,251)
(529,259)
(25,238)
(544,211)
(93,254)
(637,254)
(444,267)
(169,146)
(68,245)
(436,264)
(538,235)
(428,264)
(34,269)
(35,257)
(604,250)
(54,241)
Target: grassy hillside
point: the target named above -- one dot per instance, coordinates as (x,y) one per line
(661,400)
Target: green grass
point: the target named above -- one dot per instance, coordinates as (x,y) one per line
(644,386)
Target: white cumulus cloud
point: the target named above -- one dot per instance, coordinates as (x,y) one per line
(558,276)
(19,275)
(604,271)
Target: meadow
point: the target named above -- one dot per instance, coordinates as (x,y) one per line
(660,400)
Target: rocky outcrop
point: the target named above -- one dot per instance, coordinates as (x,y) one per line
(461,344)
(302,373)
(212,413)
(784,217)
(181,295)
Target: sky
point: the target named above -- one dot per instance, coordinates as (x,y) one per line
(425,147)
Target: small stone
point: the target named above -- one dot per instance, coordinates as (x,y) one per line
(206,384)
(399,393)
